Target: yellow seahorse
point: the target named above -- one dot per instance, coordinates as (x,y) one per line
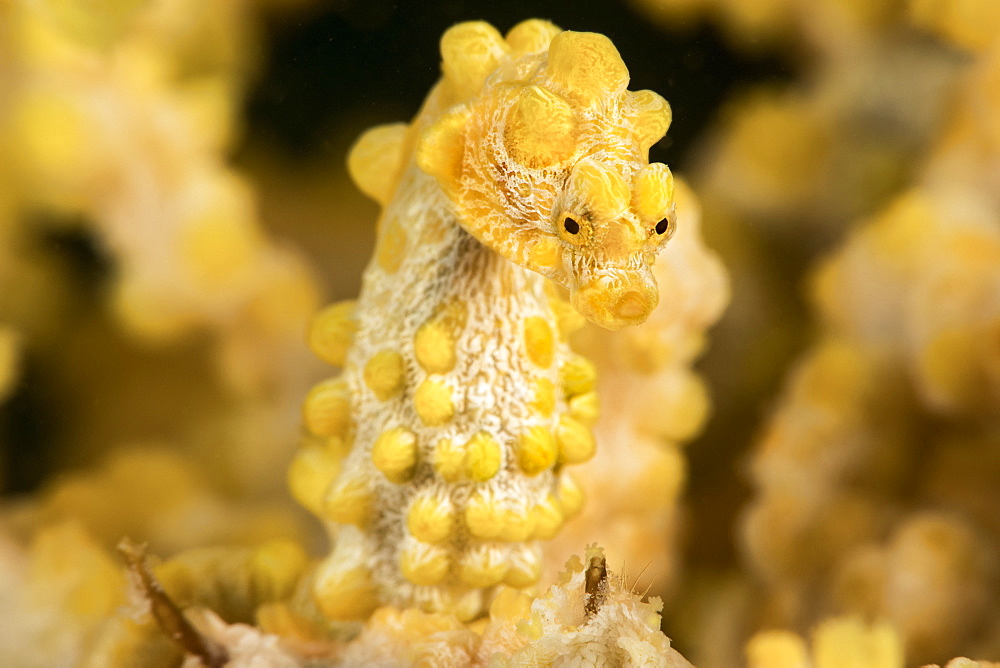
(438,458)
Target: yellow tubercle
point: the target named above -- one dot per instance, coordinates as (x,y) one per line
(531,36)
(585,408)
(384,374)
(586,66)
(653,193)
(469,52)
(541,128)
(576,441)
(332,332)
(327,408)
(536,450)
(578,375)
(653,117)
(482,457)
(431,518)
(433,401)
(394,453)
(539,341)
(376,159)
(434,347)
(545,397)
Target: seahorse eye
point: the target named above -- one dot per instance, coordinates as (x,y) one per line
(661,227)
(571,225)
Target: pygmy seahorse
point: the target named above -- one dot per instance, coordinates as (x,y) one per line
(437,458)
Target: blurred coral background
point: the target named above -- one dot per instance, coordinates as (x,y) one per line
(815,474)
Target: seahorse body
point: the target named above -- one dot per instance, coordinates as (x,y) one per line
(438,457)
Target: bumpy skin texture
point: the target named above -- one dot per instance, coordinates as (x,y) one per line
(438,456)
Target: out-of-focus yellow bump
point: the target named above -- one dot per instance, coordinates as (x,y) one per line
(275,569)
(431,518)
(469,52)
(434,347)
(653,191)
(548,516)
(578,376)
(375,160)
(776,649)
(332,332)
(545,397)
(568,319)
(531,36)
(309,476)
(545,254)
(525,567)
(570,495)
(653,117)
(536,450)
(348,501)
(432,401)
(423,564)
(517,524)
(482,457)
(585,407)
(391,246)
(538,341)
(441,150)
(449,459)
(576,441)
(394,453)
(483,515)
(384,373)
(482,566)
(344,592)
(327,408)
(510,605)
(586,65)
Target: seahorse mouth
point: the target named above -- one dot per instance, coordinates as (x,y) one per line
(616,300)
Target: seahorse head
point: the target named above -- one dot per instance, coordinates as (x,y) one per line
(543,154)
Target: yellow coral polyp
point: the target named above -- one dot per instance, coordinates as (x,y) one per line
(448,459)
(576,441)
(344,593)
(517,522)
(424,564)
(548,517)
(348,501)
(384,374)
(327,408)
(482,457)
(525,567)
(483,565)
(309,476)
(394,453)
(483,515)
(536,450)
(431,518)
(331,332)
(432,401)
(570,494)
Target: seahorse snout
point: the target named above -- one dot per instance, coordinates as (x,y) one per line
(613,304)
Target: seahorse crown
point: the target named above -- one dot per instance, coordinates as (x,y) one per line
(544,155)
